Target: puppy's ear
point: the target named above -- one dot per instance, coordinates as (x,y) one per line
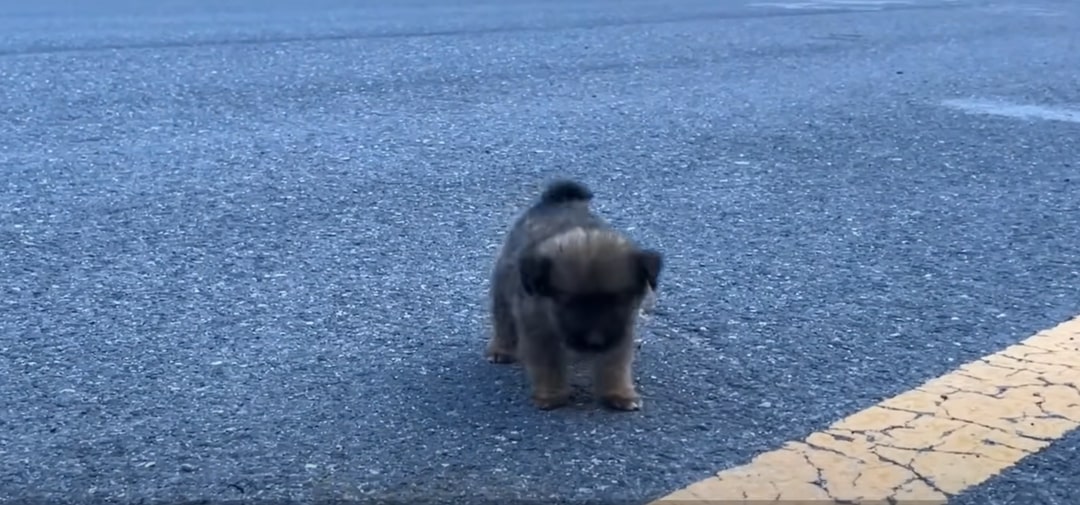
(536,275)
(650,263)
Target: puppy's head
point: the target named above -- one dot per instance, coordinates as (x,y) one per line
(595,281)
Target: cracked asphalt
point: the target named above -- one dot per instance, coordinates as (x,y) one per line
(939,440)
(245,244)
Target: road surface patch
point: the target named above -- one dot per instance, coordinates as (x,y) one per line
(924,445)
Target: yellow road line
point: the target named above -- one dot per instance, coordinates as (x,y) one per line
(927,444)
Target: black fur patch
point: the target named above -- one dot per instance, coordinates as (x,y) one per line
(563,191)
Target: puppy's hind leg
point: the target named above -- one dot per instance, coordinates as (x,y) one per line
(502,345)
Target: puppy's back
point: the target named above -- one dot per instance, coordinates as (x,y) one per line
(564,205)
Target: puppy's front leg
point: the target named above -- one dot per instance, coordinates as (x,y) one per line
(614,378)
(545,362)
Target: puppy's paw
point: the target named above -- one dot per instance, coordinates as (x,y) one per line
(500,357)
(499,352)
(550,401)
(623,402)
(648,303)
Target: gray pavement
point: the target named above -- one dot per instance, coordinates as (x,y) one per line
(245,243)
(1050,477)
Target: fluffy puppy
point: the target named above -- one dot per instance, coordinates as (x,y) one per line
(566,284)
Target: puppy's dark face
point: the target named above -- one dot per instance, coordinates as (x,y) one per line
(594,321)
(594,289)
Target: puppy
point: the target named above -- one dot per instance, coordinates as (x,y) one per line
(566,284)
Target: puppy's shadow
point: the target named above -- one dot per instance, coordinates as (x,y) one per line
(468,386)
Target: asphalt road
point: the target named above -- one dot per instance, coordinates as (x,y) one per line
(245,243)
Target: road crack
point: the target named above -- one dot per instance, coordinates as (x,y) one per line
(921,478)
(918,413)
(986,362)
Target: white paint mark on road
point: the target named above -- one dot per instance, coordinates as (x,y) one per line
(1016,111)
(1022,10)
(834,4)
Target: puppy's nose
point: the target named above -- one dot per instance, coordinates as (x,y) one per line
(595,338)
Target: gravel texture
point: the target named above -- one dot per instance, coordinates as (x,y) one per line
(245,243)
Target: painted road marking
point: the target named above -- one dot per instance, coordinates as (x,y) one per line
(848,5)
(1022,10)
(863,5)
(927,444)
(1016,111)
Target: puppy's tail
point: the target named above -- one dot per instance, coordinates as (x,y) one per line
(563,191)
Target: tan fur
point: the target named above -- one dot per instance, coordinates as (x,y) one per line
(590,260)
